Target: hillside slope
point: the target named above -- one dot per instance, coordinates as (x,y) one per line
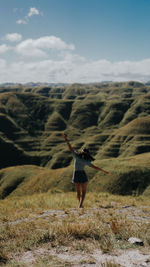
(112,120)
(31,124)
(129,176)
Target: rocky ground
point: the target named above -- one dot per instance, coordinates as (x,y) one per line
(77,256)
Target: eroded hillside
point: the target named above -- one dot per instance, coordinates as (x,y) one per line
(113,120)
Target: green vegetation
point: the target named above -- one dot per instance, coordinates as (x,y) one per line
(129,176)
(112,120)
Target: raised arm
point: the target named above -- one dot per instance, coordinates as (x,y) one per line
(99,169)
(67,142)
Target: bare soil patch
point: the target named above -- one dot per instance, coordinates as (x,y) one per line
(83,252)
(67,256)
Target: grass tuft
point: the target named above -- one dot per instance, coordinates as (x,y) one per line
(52,221)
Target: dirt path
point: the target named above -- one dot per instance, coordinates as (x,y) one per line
(136,214)
(69,257)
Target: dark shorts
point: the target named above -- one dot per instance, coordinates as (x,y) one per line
(79,177)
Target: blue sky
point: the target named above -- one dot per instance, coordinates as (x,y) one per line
(74,40)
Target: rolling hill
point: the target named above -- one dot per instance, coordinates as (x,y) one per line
(112,120)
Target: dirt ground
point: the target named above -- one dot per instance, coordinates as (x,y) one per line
(69,256)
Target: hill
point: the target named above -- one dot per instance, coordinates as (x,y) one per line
(129,176)
(112,120)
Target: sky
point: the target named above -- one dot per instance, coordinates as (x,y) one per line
(74,41)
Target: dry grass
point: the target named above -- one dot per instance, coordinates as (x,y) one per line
(110,264)
(129,176)
(99,225)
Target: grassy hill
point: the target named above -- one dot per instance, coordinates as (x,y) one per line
(129,176)
(112,120)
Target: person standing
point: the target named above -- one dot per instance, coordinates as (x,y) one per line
(81,159)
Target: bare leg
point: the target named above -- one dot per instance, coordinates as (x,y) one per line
(78,189)
(83,187)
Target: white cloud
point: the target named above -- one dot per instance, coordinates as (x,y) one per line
(39,65)
(104,70)
(75,69)
(21,21)
(13,37)
(39,47)
(27,48)
(2,64)
(4,48)
(52,42)
(33,11)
